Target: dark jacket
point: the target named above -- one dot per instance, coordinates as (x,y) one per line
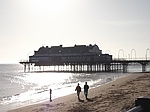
(86,87)
(78,89)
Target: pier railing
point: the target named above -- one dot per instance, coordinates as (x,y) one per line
(131,58)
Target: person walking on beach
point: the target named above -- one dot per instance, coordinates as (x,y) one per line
(86,88)
(78,89)
(50,92)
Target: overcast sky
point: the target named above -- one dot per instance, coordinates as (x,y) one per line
(26,25)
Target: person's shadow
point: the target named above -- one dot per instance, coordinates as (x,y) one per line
(88,99)
(80,100)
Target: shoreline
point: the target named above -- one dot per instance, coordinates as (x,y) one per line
(118,95)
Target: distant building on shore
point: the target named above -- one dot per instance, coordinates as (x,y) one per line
(78,54)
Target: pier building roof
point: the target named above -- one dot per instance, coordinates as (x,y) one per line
(76,49)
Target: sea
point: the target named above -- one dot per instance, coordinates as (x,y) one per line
(19,88)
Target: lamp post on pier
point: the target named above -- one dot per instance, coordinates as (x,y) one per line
(146,52)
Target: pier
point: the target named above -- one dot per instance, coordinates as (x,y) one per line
(78,58)
(99,66)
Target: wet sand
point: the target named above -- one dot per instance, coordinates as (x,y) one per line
(116,96)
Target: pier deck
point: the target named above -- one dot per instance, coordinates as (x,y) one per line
(81,67)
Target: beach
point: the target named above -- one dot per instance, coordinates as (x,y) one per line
(115,96)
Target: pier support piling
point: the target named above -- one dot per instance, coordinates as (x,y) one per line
(125,65)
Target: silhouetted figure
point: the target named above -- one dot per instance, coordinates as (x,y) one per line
(78,89)
(50,92)
(86,87)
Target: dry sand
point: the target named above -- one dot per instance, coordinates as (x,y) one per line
(116,96)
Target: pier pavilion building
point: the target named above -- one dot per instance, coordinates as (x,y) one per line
(77,58)
(59,55)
